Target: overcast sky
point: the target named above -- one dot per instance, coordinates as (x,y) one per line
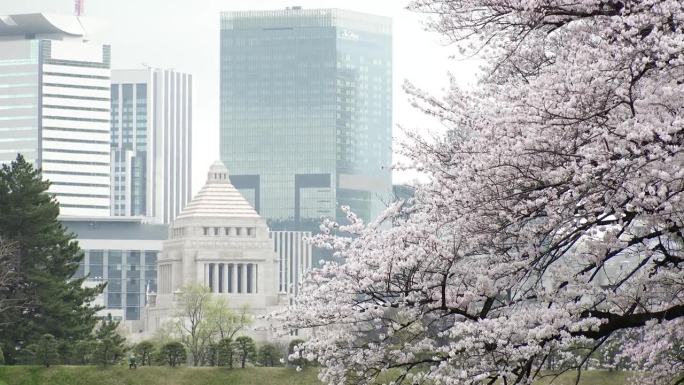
(184,35)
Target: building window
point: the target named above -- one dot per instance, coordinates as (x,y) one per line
(206,230)
(238,231)
(217,231)
(114,300)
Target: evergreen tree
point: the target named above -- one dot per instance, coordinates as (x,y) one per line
(45,351)
(269,355)
(245,349)
(173,353)
(226,352)
(51,302)
(109,343)
(83,352)
(144,350)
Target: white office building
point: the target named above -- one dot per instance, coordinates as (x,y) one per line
(54,107)
(151,121)
(123,252)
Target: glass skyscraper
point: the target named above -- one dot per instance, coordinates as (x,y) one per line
(306,112)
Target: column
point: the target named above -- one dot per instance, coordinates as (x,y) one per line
(206,274)
(254,278)
(243,278)
(215,280)
(250,283)
(226,288)
(221,283)
(233,278)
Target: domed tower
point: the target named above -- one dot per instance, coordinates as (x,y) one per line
(218,241)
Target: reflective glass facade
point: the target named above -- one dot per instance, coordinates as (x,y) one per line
(306,112)
(129,149)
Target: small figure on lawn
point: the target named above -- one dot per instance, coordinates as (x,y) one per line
(132,364)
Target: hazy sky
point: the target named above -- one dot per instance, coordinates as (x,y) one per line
(184,35)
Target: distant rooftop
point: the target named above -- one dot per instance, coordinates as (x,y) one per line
(298,17)
(129,228)
(33,25)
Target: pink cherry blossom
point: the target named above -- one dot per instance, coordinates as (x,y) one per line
(553,222)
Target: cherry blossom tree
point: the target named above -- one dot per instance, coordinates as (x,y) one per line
(553,219)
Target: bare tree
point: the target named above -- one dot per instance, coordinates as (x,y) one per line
(226,322)
(8,277)
(193,323)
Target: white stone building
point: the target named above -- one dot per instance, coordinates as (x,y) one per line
(218,241)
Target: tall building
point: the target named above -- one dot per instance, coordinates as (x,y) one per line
(306,112)
(54,107)
(151,119)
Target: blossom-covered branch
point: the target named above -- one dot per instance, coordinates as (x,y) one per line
(555,213)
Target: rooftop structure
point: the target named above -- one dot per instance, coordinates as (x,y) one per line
(41,26)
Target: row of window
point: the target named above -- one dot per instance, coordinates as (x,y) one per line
(230,231)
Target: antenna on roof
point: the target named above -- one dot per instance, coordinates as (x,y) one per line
(78,7)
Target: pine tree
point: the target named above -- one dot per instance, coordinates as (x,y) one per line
(270,355)
(173,353)
(145,350)
(226,352)
(51,301)
(109,345)
(245,350)
(45,350)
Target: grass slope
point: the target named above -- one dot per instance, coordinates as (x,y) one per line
(91,375)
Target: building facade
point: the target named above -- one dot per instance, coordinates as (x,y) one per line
(295,259)
(306,121)
(220,242)
(54,107)
(151,143)
(122,252)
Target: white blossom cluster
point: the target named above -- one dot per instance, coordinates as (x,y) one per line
(553,220)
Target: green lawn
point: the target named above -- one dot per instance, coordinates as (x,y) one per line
(158,375)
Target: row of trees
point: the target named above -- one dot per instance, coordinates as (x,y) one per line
(105,346)
(227,352)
